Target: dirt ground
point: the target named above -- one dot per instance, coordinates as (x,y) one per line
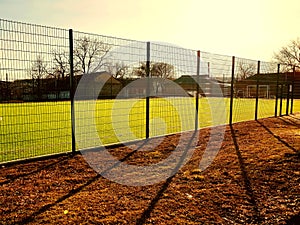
(255,179)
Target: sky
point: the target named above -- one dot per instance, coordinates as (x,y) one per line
(253,29)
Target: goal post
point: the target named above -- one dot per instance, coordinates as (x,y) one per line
(263,91)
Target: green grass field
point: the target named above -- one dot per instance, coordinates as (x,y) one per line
(35,129)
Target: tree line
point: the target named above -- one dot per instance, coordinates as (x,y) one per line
(287,56)
(93,55)
(90,55)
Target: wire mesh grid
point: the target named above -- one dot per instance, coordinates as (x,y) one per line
(172,110)
(117,113)
(26,58)
(244,89)
(296,92)
(215,85)
(267,86)
(124,90)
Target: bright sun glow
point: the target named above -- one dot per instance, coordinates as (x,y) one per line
(251,29)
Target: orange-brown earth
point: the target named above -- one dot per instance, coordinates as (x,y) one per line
(255,179)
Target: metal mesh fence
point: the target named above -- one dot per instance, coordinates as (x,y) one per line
(63,91)
(172,110)
(215,85)
(267,85)
(244,89)
(30,125)
(119,115)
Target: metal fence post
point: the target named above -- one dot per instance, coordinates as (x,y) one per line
(148,92)
(281,96)
(277,86)
(197,91)
(287,97)
(257,90)
(231,90)
(72,92)
(292,94)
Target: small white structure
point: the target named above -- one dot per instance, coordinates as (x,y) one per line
(263,91)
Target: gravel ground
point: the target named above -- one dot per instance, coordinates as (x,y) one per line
(255,179)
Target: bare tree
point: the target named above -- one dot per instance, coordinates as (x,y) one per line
(141,70)
(245,70)
(89,54)
(289,56)
(61,67)
(162,70)
(118,69)
(38,71)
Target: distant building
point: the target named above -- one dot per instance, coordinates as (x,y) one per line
(208,87)
(51,89)
(5,90)
(268,85)
(154,87)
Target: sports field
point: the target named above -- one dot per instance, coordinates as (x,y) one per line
(35,129)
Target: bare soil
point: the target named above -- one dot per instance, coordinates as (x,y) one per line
(255,179)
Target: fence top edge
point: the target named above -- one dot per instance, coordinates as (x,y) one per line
(34,25)
(132,40)
(108,36)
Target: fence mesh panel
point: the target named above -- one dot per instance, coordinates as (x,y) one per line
(244,89)
(119,114)
(30,125)
(215,85)
(267,86)
(124,90)
(173,110)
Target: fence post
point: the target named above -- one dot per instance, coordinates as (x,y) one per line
(72,92)
(231,90)
(281,95)
(148,92)
(197,91)
(293,85)
(287,97)
(257,90)
(277,86)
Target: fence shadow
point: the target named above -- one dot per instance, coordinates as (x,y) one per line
(289,121)
(294,220)
(147,212)
(43,209)
(294,117)
(11,178)
(245,176)
(278,137)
